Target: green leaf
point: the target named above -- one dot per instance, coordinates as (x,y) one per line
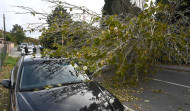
(72,63)
(36,90)
(59,85)
(47,87)
(33,13)
(146,101)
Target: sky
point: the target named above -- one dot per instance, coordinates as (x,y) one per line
(8,8)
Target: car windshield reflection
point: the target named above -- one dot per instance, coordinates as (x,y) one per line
(40,74)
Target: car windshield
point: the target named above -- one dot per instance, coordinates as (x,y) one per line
(29,47)
(38,74)
(24,44)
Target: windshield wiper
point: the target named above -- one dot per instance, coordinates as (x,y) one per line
(68,83)
(50,86)
(29,89)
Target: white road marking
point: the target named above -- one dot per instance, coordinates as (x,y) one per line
(127,108)
(172,83)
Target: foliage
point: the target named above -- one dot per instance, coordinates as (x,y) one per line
(58,16)
(8,37)
(31,40)
(178,10)
(55,20)
(12,38)
(1,31)
(18,33)
(10,61)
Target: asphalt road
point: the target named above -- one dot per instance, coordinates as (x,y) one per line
(169,90)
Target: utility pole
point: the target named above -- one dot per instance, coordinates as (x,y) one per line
(4,28)
(2,32)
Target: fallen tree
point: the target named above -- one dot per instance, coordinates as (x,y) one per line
(134,45)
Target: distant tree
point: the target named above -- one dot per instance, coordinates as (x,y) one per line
(123,8)
(18,33)
(163,1)
(112,7)
(55,21)
(8,37)
(58,16)
(107,10)
(31,40)
(47,39)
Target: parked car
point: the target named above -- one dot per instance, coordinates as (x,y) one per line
(30,50)
(44,84)
(22,45)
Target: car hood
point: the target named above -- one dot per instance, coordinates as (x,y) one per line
(30,49)
(86,96)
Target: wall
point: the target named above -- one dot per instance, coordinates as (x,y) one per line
(10,45)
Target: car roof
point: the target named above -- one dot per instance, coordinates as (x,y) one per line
(24,44)
(38,57)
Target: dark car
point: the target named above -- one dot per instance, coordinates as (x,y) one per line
(43,84)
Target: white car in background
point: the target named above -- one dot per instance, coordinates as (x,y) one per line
(30,50)
(22,45)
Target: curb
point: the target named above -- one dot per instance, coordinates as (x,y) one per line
(176,68)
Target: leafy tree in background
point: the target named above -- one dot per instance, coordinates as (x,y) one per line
(107,10)
(18,33)
(8,37)
(119,7)
(112,7)
(59,15)
(31,40)
(55,21)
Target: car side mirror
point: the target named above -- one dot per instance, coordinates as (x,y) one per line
(6,83)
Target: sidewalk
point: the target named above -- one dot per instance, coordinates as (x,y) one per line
(185,68)
(14,52)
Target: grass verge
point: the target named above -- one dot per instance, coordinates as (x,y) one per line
(8,65)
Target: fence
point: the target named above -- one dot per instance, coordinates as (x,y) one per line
(3,53)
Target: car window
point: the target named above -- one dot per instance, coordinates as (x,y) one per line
(30,48)
(24,44)
(40,74)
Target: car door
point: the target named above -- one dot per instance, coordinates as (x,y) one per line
(14,74)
